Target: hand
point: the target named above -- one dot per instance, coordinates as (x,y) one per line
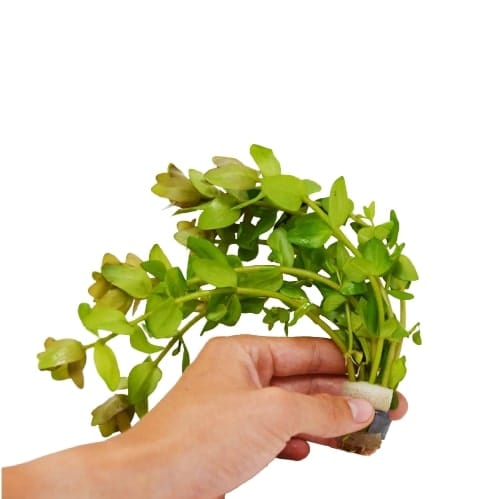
(244,401)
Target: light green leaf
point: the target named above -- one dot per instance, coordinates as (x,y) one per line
(400,295)
(186,359)
(268,279)
(156,253)
(175,282)
(332,301)
(232,177)
(340,206)
(357,269)
(164,318)
(225,161)
(404,269)
(265,159)
(282,250)
(83,310)
(285,191)
(132,280)
(142,381)
(218,213)
(201,185)
(214,272)
(107,319)
(60,353)
(311,186)
(206,249)
(397,373)
(309,231)
(370,210)
(139,341)
(107,365)
(375,252)
(389,327)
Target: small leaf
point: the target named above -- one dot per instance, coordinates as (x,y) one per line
(416,337)
(309,231)
(155,268)
(83,310)
(392,239)
(397,372)
(265,159)
(175,282)
(132,280)
(349,288)
(218,213)
(404,269)
(139,341)
(282,250)
(370,210)
(201,185)
(142,381)
(269,279)
(375,252)
(332,301)
(401,295)
(164,318)
(340,206)
(285,191)
(186,359)
(107,319)
(214,272)
(232,177)
(156,253)
(107,365)
(233,311)
(252,305)
(206,249)
(357,269)
(389,327)
(383,231)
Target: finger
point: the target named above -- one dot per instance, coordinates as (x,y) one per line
(296,450)
(401,409)
(293,356)
(321,415)
(310,383)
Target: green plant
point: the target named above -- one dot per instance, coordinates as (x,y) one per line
(262,243)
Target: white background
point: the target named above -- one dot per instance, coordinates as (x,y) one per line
(399,97)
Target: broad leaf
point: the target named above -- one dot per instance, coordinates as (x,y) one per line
(282,250)
(201,185)
(269,279)
(285,191)
(340,206)
(332,301)
(213,272)
(233,177)
(265,159)
(206,249)
(133,280)
(106,319)
(404,269)
(106,365)
(164,317)
(375,252)
(156,253)
(218,213)
(142,381)
(139,341)
(309,231)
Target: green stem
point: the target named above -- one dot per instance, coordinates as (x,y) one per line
(100,340)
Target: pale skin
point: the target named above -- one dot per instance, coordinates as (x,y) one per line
(243,402)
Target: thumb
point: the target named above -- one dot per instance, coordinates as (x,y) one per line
(327,416)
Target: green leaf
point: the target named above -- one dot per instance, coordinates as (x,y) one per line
(206,249)
(155,268)
(107,319)
(311,186)
(309,231)
(349,288)
(392,239)
(225,161)
(233,311)
(142,381)
(365,234)
(371,314)
(332,301)
(216,312)
(397,372)
(83,310)
(60,353)
(285,191)
(383,231)
(340,206)
(400,295)
(107,365)
(132,280)
(175,282)
(389,327)
(252,305)
(416,337)
(218,213)
(214,272)
(357,269)
(157,254)
(186,359)
(370,210)
(232,177)
(139,341)
(164,317)
(375,252)
(282,250)
(404,269)
(293,290)
(269,279)
(265,159)
(201,185)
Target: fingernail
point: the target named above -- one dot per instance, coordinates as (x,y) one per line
(362,410)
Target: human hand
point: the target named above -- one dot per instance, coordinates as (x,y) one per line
(244,401)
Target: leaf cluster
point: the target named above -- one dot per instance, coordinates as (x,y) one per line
(258,242)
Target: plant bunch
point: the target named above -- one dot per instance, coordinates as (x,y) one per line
(259,242)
